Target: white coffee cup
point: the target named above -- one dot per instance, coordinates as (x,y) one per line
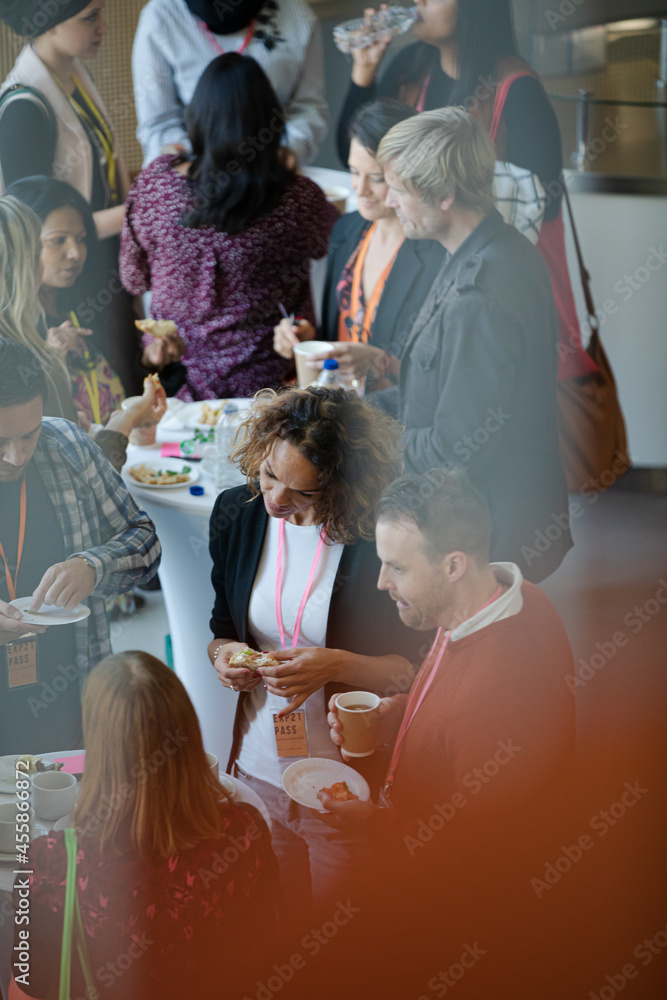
(53,794)
(12,818)
(213,763)
(305,376)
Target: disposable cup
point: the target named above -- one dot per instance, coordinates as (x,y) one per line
(357,714)
(305,376)
(337,195)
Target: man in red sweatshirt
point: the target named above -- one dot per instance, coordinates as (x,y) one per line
(489,718)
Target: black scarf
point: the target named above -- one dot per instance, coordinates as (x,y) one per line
(31,18)
(225,17)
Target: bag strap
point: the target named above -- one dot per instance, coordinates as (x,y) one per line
(499,103)
(21,91)
(583,270)
(72,922)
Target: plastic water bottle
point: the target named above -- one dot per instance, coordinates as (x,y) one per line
(330,376)
(364,31)
(225,434)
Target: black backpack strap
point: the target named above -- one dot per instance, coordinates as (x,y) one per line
(22,92)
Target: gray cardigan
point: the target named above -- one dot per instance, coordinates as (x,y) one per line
(478,389)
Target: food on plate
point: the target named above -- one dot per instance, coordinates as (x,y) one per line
(155,379)
(156,327)
(28,762)
(209,414)
(157,477)
(251,658)
(338,791)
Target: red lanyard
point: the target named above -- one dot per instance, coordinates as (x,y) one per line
(279,585)
(421,100)
(421,689)
(11,584)
(244,45)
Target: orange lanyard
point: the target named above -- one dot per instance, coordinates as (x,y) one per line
(11,584)
(356,301)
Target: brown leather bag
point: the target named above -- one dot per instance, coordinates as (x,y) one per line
(593,441)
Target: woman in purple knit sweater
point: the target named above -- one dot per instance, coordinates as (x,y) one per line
(220,240)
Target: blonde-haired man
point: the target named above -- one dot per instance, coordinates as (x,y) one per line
(478,373)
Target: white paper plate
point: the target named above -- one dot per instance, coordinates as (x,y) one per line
(190,413)
(169,465)
(49,614)
(303,779)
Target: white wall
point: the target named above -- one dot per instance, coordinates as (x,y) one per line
(622,238)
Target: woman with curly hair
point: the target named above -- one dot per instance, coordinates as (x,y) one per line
(296,573)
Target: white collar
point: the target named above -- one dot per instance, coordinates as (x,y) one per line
(508,604)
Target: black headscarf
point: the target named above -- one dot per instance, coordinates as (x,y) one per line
(225,17)
(31,18)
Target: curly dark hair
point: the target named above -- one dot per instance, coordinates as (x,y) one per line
(352,446)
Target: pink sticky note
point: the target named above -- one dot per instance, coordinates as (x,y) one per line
(172,449)
(73,765)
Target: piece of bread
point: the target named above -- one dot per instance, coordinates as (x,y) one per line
(156,327)
(252,659)
(155,379)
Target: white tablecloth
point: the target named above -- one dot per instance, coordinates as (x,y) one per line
(182,523)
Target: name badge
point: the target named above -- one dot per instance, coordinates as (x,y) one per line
(291,735)
(22,662)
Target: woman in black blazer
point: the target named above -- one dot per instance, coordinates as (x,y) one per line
(376,279)
(295,572)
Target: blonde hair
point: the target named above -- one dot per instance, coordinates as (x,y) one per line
(147,787)
(20,309)
(442,153)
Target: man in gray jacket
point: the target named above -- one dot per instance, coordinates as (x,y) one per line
(477,385)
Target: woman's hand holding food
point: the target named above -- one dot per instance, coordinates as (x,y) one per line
(149,409)
(287,335)
(67,338)
(365,62)
(355,360)
(162,351)
(301,672)
(220,652)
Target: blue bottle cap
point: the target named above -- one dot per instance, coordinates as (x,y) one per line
(197,491)
(330,364)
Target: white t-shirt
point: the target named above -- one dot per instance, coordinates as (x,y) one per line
(258,755)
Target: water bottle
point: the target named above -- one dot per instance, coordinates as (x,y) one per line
(364,31)
(225,435)
(330,376)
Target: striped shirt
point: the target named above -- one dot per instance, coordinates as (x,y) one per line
(99,519)
(172,48)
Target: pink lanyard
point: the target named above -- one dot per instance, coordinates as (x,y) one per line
(421,101)
(244,45)
(420,691)
(279,585)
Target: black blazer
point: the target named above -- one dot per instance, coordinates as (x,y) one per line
(362,619)
(415,269)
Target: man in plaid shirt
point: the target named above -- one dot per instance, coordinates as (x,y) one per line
(69,533)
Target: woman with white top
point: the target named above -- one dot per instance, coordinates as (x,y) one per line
(296,572)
